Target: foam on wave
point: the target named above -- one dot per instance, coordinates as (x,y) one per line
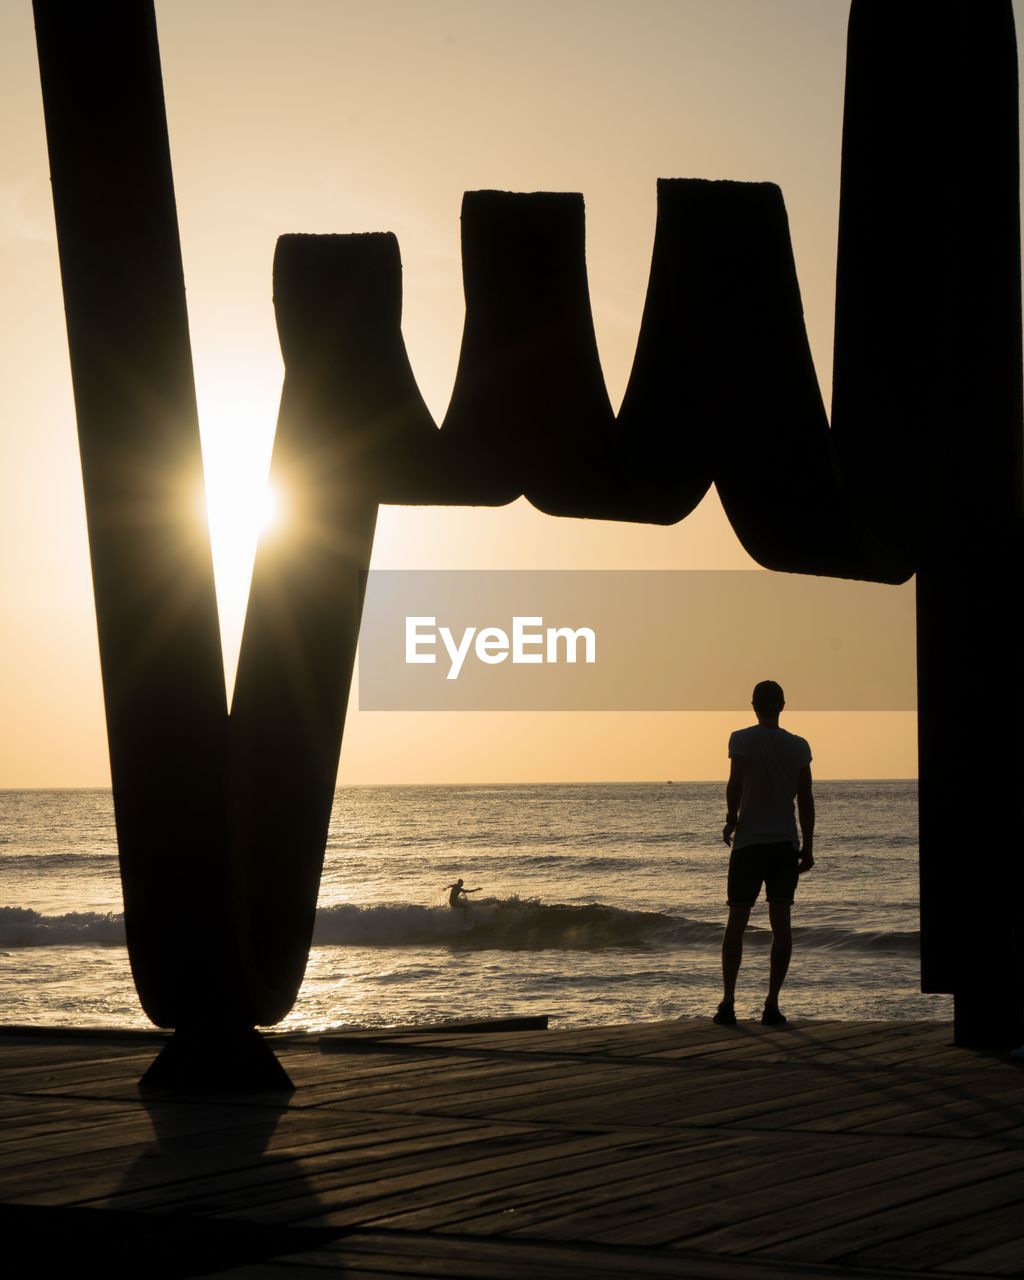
(23,927)
(510,924)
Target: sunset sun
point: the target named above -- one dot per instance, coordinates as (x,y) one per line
(240,502)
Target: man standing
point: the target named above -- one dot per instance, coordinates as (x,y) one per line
(770,767)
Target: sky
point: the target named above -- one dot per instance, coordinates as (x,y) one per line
(336,116)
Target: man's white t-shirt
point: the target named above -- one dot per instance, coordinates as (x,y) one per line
(774,759)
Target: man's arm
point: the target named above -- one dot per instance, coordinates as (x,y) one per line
(733,794)
(805,809)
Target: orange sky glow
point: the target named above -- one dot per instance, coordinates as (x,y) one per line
(336,116)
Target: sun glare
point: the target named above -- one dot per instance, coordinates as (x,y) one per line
(240,505)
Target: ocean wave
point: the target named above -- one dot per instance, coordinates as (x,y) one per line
(513,924)
(23,927)
(825,938)
(68,863)
(507,924)
(530,924)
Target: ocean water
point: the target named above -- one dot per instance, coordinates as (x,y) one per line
(598,904)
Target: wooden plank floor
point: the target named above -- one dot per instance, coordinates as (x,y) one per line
(671,1149)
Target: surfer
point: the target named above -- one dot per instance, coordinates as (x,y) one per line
(456,895)
(770,767)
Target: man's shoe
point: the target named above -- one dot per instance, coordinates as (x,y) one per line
(772,1016)
(725,1015)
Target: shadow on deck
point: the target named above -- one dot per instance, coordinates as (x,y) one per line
(669,1149)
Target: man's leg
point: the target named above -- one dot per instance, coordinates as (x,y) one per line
(779,916)
(732,949)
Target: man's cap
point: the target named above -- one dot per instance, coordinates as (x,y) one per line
(768,695)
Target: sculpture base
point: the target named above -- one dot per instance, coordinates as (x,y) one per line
(216,1060)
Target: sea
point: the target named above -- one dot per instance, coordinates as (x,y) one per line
(596,904)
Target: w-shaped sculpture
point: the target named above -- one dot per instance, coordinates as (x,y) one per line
(222,818)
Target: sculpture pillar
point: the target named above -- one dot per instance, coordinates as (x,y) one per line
(928,421)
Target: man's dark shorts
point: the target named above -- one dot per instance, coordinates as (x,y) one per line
(773,865)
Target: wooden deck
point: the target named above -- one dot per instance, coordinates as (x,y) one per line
(672,1149)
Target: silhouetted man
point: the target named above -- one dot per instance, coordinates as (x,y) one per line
(769,768)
